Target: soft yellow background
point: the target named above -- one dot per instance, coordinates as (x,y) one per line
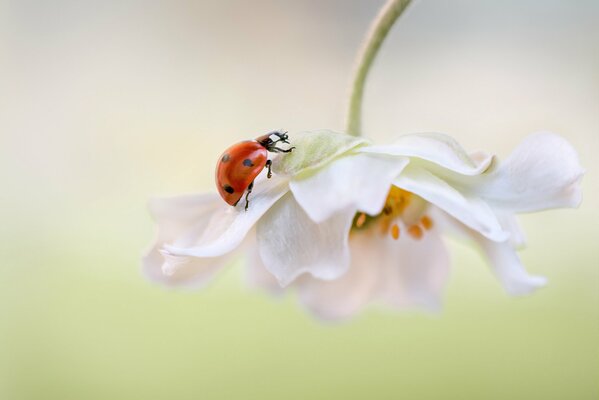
(105,103)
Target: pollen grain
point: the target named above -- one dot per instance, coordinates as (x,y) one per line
(395,231)
(361,220)
(415,231)
(426,222)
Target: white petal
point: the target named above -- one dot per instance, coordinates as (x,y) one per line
(418,271)
(510,224)
(290,243)
(258,276)
(181,220)
(543,172)
(471,211)
(359,181)
(405,273)
(182,271)
(348,294)
(437,148)
(228,226)
(507,267)
(503,258)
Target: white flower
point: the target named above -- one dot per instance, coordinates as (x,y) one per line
(199,233)
(346,223)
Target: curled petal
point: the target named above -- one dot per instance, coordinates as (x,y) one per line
(438,149)
(543,172)
(291,244)
(228,226)
(359,181)
(181,220)
(161,267)
(510,224)
(502,257)
(471,211)
(508,268)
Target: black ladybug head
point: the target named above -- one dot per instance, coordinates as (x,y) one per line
(270,140)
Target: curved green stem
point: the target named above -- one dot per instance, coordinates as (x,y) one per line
(379,30)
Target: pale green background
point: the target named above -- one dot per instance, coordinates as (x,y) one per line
(105,103)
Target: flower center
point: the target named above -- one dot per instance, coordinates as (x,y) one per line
(403,210)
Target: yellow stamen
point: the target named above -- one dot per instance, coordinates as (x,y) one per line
(426,222)
(395,231)
(415,231)
(401,207)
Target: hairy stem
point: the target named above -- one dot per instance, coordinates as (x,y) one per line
(378,32)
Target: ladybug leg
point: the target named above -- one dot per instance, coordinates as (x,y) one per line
(247,194)
(279,150)
(269,167)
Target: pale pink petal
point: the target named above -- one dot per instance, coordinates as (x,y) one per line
(405,273)
(417,271)
(345,296)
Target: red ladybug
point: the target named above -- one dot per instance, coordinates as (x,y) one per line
(241,163)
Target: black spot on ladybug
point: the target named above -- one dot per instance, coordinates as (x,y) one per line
(225,158)
(248,163)
(229,189)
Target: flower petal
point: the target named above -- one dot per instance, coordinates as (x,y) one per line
(290,243)
(228,226)
(510,224)
(437,148)
(161,267)
(180,220)
(359,181)
(345,296)
(471,211)
(543,172)
(258,276)
(405,273)
(417,272)
(507,267)
(503,258)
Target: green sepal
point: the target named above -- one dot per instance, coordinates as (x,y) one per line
(313,150)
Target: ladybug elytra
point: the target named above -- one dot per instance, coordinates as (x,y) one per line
(241,163)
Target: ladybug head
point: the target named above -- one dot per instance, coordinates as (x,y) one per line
(270,140)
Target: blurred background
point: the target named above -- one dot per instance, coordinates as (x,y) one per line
(106,103)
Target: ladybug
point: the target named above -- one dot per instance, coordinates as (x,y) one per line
(241,163)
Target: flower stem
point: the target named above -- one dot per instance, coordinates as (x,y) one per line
(378,32)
